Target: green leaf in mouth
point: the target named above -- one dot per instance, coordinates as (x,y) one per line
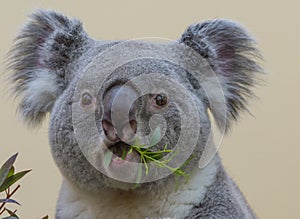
(155,138)
(147,155)
(107,158)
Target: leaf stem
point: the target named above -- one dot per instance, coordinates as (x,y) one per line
(155,156)
(8,195)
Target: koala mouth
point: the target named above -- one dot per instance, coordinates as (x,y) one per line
(119,149)
(121,153)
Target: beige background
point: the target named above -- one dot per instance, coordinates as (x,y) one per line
(262,153)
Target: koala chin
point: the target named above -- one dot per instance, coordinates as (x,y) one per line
(102,95)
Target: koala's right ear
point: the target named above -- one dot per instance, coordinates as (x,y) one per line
(40,60)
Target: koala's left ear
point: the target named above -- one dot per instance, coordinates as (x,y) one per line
(232,55)
(42,60)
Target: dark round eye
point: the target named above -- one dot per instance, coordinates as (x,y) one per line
(86,99)
(161,99)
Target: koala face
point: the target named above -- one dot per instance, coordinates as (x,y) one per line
(144,113)
(104,95)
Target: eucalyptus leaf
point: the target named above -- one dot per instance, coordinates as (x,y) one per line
(9,201)
(124,154)
(5,169)
(11,213)
(11,172)
(155,138)
(107,158)
(139,176)
(10,217)
(12,179)
(130,150)
(148,155)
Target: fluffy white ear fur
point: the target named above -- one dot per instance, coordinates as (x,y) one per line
(40,61)
(43,91)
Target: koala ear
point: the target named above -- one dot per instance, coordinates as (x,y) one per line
(41,61)
(232,55)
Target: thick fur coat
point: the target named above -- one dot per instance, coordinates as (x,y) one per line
(50,56)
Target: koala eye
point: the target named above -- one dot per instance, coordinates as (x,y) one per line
(161,99)
(86,99)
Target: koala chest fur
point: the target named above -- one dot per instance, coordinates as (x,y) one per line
(127,118)
(170,202)
(183,202)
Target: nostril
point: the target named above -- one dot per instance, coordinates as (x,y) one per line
(133,125)
(128,131)
(125,132)
(109,130)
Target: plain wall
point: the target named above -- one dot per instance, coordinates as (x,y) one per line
(261,152)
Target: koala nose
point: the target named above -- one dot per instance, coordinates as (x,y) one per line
(118,119)
(125,132)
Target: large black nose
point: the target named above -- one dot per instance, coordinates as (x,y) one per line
(119,119)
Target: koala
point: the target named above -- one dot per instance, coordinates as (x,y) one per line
(104,95)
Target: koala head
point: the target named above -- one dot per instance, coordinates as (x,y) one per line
(104,95)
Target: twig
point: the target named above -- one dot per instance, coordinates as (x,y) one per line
(2,211)
(13,192)
(8,195)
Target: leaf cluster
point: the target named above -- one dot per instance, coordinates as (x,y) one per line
(8,179)
(156,157)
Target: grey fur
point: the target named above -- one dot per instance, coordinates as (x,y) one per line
(232,54)
(49,43)
(57,48)
(223,199)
